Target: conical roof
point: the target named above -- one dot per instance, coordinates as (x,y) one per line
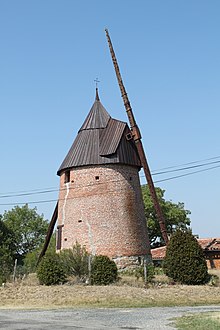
(97,117)
(101,140)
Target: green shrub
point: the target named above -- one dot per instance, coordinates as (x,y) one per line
(75,261)
(30,261)
(50,270)
(103,271)
(184,261)
(158,270)
(139,272)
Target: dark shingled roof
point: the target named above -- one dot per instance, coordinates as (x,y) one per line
(101,140)
(97,117)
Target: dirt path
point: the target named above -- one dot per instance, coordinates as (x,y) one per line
(102,319)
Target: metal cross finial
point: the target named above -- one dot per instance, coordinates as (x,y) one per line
(96,82)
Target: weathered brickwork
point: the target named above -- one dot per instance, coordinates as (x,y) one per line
(101,207)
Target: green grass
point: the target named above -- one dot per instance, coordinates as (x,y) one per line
(203,321)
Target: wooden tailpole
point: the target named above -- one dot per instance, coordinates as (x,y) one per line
(137,138)
(49,233)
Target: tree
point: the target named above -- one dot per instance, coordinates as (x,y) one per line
(184,261)
(28,227)
(31,258)
(7,251)
(175,216)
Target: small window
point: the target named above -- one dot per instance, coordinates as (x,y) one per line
(59,236)
(129,136)
(67,177)
(97,178)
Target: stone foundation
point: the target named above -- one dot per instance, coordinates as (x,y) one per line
(131,262)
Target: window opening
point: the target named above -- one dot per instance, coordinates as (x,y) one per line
(97,178)
(67,177)
(59,236)
(129,136)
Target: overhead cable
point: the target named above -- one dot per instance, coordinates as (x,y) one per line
(162,180)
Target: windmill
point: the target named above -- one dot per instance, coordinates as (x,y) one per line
(108,166)
(136,135)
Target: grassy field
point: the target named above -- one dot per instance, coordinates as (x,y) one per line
(204,321)
(128,292)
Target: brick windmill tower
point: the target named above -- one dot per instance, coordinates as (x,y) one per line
(100,203)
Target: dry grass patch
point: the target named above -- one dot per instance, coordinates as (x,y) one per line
(126,293)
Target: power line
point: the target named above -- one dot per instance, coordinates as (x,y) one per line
(189,163)
(110,190)
(185,168)
(159,172)
(29,193)
(62,189)
(186,174)
(49,190)
(33,202)
(55,200)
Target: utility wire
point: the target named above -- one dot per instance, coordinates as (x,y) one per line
(162,180)
(32,202)
(53,189)
(154,172)
(186,174)
(186,168)
(26,191)
(29,193)
(189,163)
(48,190)
(15,193)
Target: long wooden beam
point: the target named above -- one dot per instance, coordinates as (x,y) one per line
(137,138)
(49,233)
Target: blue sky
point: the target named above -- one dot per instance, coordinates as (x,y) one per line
(168,52)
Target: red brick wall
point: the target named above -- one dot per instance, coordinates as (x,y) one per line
(102,208)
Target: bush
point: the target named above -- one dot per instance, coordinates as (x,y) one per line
(75,261)
(184,261)
(50,270)
(30,261)
(103,271)
(139,272)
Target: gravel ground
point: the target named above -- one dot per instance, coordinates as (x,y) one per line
(101,318)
